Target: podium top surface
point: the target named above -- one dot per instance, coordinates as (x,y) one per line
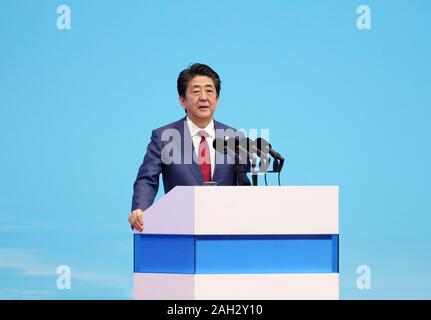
(224,210)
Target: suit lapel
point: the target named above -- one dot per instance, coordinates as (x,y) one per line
(218,156)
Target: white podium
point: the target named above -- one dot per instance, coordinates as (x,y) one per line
(214,242)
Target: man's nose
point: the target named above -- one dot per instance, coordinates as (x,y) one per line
(203,96)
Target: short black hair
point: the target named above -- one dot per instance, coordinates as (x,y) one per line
(196,69)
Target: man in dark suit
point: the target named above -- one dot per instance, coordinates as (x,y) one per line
(182,151)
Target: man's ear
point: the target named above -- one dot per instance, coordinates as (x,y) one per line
(183,102)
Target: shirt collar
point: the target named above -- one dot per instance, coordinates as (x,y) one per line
(194,129)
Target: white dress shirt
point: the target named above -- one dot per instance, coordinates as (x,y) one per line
(196,138)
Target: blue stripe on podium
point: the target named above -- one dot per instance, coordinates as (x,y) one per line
(230,254)
(164,253)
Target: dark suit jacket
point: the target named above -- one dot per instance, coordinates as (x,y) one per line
(173,158)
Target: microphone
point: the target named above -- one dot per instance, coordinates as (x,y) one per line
(235,147)
(220,144)
(227,145)
(252,147)
(243,150)
(245,145)
(265,147)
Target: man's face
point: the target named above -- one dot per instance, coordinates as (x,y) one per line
(201,99)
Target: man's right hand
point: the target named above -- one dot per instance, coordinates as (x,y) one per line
(136,221)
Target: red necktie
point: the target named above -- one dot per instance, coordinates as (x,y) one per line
(204,156)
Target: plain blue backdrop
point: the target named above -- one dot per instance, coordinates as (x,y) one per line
(346,107)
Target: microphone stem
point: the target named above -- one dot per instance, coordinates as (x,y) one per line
(254,179)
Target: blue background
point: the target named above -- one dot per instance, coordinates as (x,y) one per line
(346,107)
